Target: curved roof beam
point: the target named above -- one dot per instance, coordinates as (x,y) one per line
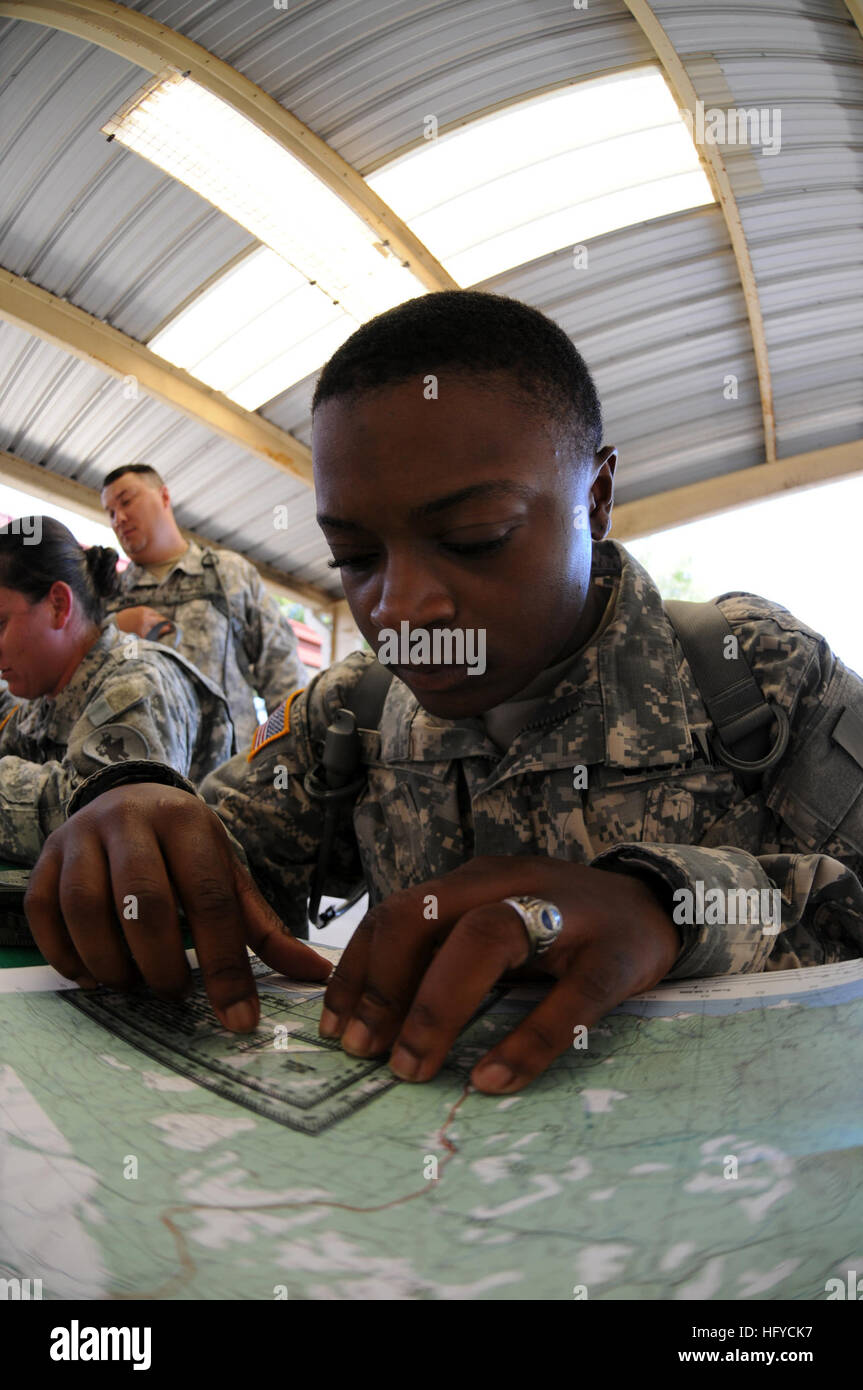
(855,9)
(67,327)
(154,47)
(714,166)
(697,501)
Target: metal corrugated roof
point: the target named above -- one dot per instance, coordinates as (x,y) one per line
(659,315)
(364,76)
(81,217)
(800,208)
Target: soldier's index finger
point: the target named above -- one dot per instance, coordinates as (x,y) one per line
(203,876)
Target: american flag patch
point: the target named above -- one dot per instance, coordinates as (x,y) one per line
(278,723)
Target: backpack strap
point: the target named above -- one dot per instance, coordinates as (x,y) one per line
(732,696)
(338,778)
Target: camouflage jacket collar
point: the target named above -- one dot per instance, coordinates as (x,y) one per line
(191,562)
(619,703)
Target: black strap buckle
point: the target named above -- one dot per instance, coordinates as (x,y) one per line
(780,743)
(315,783)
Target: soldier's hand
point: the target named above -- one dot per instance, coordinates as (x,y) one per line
(139,619)
(101,903)
(409,982)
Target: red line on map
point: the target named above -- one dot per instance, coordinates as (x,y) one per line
(189,1269)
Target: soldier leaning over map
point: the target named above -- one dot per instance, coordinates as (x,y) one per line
(537,817)
(627,710)
(79,693)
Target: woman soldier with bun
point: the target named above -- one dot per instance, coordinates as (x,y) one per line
(79,693)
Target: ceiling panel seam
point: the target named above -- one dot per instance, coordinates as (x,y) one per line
(684,91)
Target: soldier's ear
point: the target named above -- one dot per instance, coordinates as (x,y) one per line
(602,491)
(165,496)
(61,603)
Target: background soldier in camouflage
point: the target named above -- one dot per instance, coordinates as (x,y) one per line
(574,769)
(79,696)
(224,621)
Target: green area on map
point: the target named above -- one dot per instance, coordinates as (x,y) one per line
(147,1153)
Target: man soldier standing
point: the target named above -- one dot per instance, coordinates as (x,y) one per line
(208,603)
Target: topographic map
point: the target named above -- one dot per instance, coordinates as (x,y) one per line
(706,1144)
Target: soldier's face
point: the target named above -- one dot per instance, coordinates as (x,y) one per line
(137,513)
(32,648)
(461,513)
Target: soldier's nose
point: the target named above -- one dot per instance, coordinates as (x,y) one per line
(414,598)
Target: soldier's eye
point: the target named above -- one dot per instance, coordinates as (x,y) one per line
(361,562)
(351,562)
(477,547)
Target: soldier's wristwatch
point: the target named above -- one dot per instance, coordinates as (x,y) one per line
(121,775)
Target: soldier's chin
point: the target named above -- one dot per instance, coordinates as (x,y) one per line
(450,693)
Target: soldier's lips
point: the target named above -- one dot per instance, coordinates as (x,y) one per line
(433,677)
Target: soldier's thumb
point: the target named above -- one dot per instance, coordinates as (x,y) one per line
(269,937)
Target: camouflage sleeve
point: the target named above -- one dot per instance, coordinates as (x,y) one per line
(803,884)
(270,644)
(135,714)
(262,800)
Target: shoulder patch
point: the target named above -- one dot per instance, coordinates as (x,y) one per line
(279,723)
(847,732)
(100,711)
(116,743)
(124,696)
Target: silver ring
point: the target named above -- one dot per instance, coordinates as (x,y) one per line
(543,923)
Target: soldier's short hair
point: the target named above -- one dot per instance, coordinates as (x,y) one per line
(143,469)
(472,332)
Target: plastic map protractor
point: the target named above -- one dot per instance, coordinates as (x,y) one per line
(704,1141)
(284,1070)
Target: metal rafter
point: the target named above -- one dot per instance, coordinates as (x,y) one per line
(155,47)
(663,510)
(67,327)
(855,9)
(714,166)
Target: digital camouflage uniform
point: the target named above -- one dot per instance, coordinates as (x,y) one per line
(227,624)
(440,792)
(116,708)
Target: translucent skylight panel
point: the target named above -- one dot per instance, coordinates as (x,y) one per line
(547,173)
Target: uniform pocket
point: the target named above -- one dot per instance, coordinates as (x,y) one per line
(414,823)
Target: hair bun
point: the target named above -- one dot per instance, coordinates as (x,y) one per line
(101,561)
